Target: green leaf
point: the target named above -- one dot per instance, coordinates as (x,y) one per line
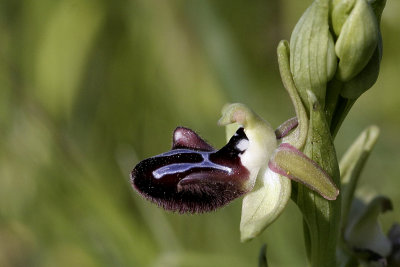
(353,162)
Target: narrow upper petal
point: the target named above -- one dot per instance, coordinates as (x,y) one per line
(187,138)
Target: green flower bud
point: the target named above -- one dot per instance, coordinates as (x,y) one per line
(312,54)
(340,13)
(368,76)
(365,79)
(356,26)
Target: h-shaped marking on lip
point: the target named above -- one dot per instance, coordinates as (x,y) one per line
(183,167)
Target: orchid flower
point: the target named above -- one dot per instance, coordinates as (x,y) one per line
(272,158)
(194,177)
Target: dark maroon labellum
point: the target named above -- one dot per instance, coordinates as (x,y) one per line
(193,177)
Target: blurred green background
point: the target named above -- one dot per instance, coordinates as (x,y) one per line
(90,87)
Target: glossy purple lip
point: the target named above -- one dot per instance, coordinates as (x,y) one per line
(193,177)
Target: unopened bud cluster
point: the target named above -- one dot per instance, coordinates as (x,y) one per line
(340,40)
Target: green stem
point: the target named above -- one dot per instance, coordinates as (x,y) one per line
(321,216)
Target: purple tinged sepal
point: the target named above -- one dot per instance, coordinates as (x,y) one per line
(294,164)
(193,177)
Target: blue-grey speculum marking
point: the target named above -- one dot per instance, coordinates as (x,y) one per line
(183,167)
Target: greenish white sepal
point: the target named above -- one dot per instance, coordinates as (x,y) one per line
(271,191)
(264,204)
